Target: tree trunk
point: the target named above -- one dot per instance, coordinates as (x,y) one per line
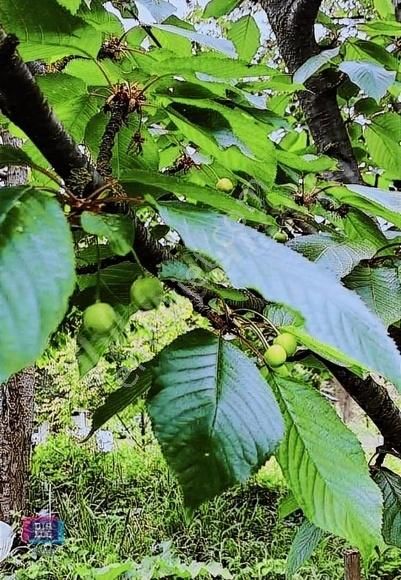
(16,422)
(16,408)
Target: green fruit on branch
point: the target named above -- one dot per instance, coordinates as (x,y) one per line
(99,318)
(225,184)
(146,293)
(275,356)
(288,342)
(281,237)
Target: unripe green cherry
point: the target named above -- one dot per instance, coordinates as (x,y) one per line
(225,184)
(288,342)
(281,237)
(99,318)
(275,356)
(146,292)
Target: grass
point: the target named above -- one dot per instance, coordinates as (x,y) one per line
(125,506)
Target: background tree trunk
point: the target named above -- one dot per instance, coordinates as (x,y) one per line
(16,422)
(16,408)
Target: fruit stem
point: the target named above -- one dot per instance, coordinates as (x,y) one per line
(143,270)
(261,316)
(258,332)
(98,271)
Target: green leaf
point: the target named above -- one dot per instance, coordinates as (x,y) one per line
(287,506)
(212,413)
(71,5)
(385,8)
(228,126)
(379,202)
(306,540)
(13,156)
(220,44)
(366,50)
(114,284)
(379,28)
(245,35)
(101,19)
(380,289)
(118,229)
(47,30)
(306,163)
(135,386)
(383,148)
(216,8)
(390,485)
(326,469)
(313,64)
(214,65)
(145,181)
(159,9)
(372,79)
(72,103)
(9,198)
(337,254)
(37,275)
(333,315)
(92,74)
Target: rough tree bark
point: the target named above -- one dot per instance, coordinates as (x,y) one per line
(16,409)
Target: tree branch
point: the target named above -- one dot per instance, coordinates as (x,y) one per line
(23,103)
(375,400)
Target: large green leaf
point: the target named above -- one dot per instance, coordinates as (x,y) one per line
(326,469)
(384,149)
(220,44)
(390,485)
(47,30)
(214,65)
(335,253)
(372,79)
(36,275)
(213,414)
(245,35)
(118,229)
(333,315)
(357,49)
(71,100)
(380,289)
(147,182)
(305,541)
(313,64)
(113,283)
